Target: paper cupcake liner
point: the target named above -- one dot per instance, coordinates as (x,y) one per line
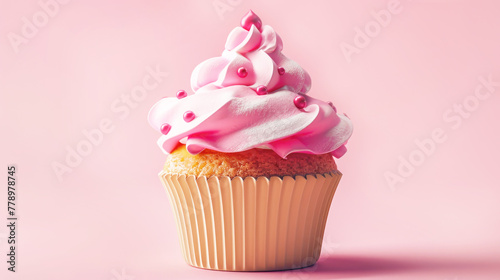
(251,224)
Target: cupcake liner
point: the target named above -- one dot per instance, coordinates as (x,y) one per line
(251,224)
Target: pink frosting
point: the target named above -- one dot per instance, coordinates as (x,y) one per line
(251,97)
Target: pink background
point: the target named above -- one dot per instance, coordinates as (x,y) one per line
(109,218)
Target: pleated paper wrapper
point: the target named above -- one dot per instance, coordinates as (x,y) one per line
(251,224)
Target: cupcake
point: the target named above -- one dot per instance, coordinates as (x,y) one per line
(250,169)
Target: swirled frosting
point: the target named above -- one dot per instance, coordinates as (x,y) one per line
(252,96)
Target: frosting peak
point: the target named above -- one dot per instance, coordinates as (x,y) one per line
(259,53)
(251,19)
(251,96)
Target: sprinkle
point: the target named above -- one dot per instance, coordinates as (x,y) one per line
(189,116)
(281,71)
(165,128)
(242,72)
(333,107)
(300,102)
(261,90)
(181,94)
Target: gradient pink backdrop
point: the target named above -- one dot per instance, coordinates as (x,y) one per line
(110,218)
